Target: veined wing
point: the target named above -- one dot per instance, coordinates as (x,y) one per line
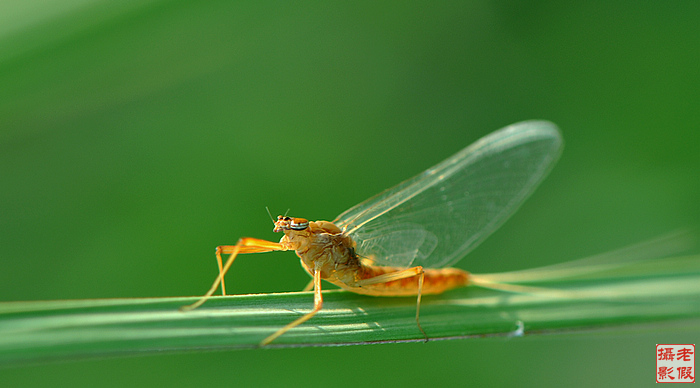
(437,217)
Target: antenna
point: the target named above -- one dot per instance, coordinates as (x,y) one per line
(269,214)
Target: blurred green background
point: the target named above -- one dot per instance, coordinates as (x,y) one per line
(137,136)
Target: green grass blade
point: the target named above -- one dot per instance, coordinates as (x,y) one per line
(70,329)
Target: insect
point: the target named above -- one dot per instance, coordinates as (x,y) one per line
(402,241)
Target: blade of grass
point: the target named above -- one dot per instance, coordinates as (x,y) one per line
(70,329)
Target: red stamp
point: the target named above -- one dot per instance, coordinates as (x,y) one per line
(675,363)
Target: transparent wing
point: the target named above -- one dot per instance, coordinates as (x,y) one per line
(437,217)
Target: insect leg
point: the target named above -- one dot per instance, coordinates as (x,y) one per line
(258,246)
(245,245)
(309,286)
(398,275)
(318,302)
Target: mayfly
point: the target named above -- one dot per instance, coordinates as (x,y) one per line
(402,241)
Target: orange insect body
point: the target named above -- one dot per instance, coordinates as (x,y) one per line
(436,281)
(381,246)
(323,246)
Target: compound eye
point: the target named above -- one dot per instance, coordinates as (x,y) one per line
(299,223)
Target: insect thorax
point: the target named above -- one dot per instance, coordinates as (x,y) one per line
(323,246)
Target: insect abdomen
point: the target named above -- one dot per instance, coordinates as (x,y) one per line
(436,281)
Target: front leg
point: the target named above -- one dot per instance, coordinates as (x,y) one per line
(245,245)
